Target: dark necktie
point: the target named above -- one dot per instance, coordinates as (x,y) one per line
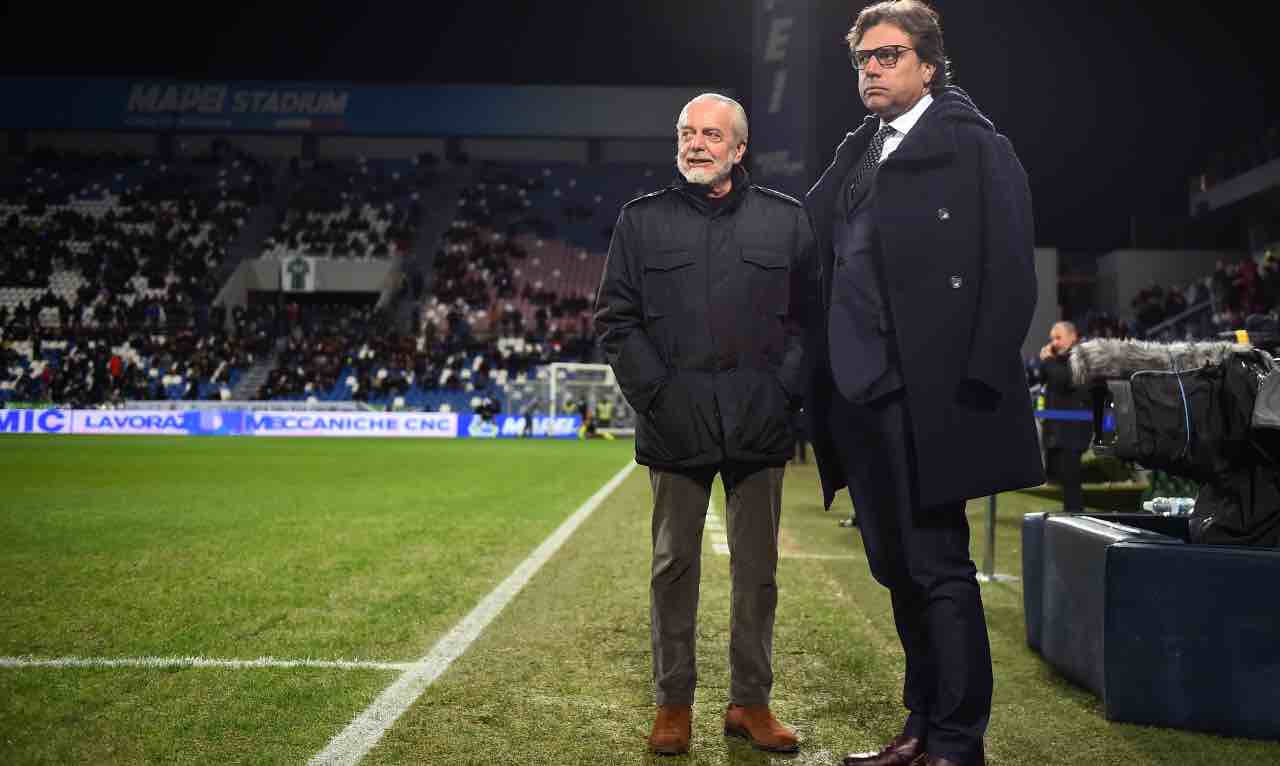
(870,159)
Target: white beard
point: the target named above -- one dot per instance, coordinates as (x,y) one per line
(709,176)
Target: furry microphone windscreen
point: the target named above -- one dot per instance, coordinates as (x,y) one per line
(1110,359)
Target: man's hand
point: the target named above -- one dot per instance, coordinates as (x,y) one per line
(1047,352)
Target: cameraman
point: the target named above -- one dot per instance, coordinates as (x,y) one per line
(1064,440)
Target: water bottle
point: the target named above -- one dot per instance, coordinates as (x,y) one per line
(1170,506)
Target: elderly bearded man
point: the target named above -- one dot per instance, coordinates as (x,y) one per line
(701,315)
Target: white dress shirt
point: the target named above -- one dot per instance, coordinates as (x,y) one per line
(903,124)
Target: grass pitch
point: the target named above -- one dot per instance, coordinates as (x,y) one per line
(371,550)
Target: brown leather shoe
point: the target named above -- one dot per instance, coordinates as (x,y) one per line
(672,730)
(900,752)
(757,725)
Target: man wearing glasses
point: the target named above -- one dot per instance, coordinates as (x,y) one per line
(918,400)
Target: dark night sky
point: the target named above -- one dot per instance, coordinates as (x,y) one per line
(1111,105)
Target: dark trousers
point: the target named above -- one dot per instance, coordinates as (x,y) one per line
(922,556)
(1065,464)
(753,508)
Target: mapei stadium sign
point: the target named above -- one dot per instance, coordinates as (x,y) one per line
(146,98)
(441,425)
(324,108)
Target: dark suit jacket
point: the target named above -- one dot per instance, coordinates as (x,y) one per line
(954,213)
(1060,394)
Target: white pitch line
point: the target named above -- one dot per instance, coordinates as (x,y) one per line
(354,742)
(719,541)
(195,662)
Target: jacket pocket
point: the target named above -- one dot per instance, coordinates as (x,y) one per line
(767,283)
(669,432)
(765,422)
(666,282)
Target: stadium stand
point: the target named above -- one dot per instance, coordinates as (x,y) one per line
(521,262)
(114,262)
(1216,303)
(1230,161)
(111,267)
(361,209)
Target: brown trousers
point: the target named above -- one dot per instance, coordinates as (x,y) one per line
(753,507)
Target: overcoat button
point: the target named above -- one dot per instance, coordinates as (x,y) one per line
(956,282)
(944,214)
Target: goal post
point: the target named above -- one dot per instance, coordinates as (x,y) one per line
(575,382)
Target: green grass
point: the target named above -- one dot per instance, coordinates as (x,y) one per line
(239,548)
(563,675)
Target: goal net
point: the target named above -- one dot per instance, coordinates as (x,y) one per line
(572,385)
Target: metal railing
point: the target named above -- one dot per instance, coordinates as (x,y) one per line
(170,404)
(1198,319)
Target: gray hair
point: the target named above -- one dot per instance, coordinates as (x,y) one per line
(739,114)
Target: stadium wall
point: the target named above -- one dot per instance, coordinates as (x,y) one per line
(332,275)
(1123,273)
(275,147)
(186,144)
(95,142)
(656,151)
(278,147)
(521,150)
(1048,310)
(1251,183)
(345,147)
(337,108)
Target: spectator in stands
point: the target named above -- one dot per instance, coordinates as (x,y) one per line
(1175,302)
(702,328)
(487,409)
(920,409)
(1064,441)
(1148,306)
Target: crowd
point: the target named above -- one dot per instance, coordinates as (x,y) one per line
(336,353)
(483,272)
(1155,304)
(485,269)
(365,210)
(112,265)
(329,343)
(1233,291)
(125,225)
(110,270)
(84,365)
(1251,286)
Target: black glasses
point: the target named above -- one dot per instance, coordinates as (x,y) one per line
(886,56)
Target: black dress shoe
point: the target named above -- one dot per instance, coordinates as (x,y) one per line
(902,751)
